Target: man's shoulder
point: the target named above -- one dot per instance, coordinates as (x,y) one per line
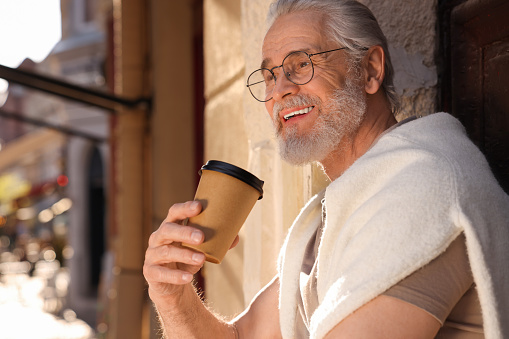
(433,145)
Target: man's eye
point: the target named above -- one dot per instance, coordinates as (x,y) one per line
(267,76)
(303,64)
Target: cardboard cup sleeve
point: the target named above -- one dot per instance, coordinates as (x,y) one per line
(227,194)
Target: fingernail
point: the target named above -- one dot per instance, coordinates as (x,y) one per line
(196,236)
(198,257)
(194,205)
(187,277)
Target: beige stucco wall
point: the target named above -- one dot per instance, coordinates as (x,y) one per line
(410,28)
(225,133)
(238,129)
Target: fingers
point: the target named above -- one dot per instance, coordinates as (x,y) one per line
(179,212)
(170,232)
(170,274)
(172,254)
(160,274)
(170,265)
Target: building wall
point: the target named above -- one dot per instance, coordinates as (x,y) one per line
(238,128)
(411,29)
(225,132)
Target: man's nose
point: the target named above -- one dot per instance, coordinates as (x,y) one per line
(283,87)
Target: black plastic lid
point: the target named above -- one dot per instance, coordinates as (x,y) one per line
(236,172)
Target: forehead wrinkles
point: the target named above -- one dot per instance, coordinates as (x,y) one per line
(293,32)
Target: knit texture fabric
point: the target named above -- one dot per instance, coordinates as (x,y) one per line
(393,211)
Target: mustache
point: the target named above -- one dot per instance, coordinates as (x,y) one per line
(294,101)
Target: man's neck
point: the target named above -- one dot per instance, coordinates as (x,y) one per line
(353,147)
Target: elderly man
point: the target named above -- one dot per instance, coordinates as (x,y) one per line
(409,239)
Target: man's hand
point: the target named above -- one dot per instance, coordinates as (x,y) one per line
(169,269)
(169,266)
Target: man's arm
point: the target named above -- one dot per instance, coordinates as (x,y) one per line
(261,318)
(387,318)
(169,269)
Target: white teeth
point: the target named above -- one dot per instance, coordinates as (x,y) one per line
(299,112)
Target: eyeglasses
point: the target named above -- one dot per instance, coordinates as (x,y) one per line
(297,67)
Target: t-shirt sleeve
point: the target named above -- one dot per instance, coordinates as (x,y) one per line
(437,287)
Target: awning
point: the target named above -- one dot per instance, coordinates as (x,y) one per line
(58,128)
(70,91)
(13,152)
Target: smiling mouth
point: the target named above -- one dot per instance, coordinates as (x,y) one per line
(299,112)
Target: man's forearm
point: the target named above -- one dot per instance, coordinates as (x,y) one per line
(187,317)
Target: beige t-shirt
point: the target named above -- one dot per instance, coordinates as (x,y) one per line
(444,288)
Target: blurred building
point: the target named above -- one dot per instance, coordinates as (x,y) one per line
(59,148)
(80,58)
(112,155)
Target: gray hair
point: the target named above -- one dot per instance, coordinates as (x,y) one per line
(352,25)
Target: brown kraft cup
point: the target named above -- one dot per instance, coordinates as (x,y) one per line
(227,194)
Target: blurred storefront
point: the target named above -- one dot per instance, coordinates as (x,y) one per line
(88,134)
(34,232)
(54,176)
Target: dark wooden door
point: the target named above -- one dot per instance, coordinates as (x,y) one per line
(480,78)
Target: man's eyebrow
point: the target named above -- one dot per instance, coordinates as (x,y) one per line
(265,63)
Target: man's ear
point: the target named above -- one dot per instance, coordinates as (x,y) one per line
(374,69)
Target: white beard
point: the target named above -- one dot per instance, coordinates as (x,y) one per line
(340,117)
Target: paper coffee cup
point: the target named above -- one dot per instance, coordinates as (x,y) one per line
(227,194)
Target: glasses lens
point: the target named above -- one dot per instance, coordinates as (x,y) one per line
(298,68)
(261,83)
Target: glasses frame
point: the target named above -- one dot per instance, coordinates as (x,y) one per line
(284,72)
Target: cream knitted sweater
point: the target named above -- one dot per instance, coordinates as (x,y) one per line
(394,210)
